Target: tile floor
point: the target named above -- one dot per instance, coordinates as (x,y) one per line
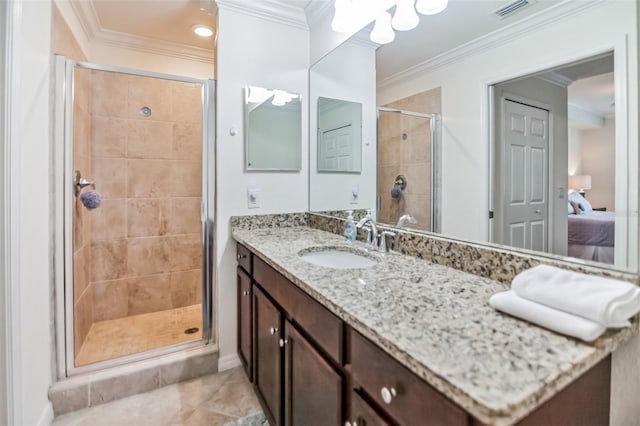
(139,333)
(217,399)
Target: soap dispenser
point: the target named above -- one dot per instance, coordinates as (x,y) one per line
(350,231)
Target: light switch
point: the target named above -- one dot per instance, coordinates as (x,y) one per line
(253,198)
(355,193)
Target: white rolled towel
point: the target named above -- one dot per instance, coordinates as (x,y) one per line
(606,301)
(562,322)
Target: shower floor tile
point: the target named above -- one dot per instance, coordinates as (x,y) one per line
(139,333)
(214,400)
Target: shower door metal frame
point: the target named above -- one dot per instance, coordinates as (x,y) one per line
(64,201)
(435,125)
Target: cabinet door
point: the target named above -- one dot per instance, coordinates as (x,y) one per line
(362,414)
(268,355)
(313,389)
(244,322)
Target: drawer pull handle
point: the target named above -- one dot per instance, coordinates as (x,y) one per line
(387,394)
(351,424)
(241,256)
(273,330)
(245,293)
(283,342)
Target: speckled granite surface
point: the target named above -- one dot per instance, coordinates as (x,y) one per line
(486,260)
(437,322)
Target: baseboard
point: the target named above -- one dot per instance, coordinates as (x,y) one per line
(46,417)
(228,362)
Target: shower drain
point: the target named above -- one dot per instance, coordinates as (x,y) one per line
(191,330)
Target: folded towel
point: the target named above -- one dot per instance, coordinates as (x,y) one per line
(606,301)
(562,322)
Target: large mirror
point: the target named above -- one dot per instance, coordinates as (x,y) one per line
(483,86)
(273,129)
(339,135)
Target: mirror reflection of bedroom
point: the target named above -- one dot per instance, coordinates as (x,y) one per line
(555,146)
(591,160)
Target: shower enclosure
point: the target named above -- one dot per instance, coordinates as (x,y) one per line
(408,167)
(136,172)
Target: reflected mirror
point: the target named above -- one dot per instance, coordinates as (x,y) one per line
(474,80)
(273,130)
(339,135)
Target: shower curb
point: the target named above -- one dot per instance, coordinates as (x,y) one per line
(91,389)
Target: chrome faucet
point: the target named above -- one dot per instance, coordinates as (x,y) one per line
(405,217)
(372,234)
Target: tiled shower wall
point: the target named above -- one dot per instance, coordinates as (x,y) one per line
(63,43)
(409,156)
(145,241)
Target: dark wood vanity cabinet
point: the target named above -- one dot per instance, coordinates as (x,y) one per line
(310,368)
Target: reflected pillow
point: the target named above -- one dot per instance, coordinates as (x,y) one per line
(570,210)
(582,202)
(575,207)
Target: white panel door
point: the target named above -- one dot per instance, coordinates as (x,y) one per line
(337,149)
(525,176)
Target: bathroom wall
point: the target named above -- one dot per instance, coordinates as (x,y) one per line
(64,43)
(251,52)
(145,241)
(410,156)
(28,199)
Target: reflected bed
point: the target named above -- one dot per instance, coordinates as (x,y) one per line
(592,236)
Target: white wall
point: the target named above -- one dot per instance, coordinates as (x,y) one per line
(574,151)
(464,100)
(347,73)
(598,148)
(30,239)
(4,319)
(252,51)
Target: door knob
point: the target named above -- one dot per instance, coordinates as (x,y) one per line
(538,211)
(283,342)
(245,293)
(273,330)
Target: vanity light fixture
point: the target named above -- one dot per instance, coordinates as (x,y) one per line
(202,30)
(258,95)
(352,15)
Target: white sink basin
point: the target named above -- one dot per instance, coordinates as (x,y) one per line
(338,257)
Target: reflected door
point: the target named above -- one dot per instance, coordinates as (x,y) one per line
(525,171)
(337,149)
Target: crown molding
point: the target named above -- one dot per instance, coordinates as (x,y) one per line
(556,79)
(489,41)
(362,38)
(317,10)
(87,17)
(154,46)
(271,10)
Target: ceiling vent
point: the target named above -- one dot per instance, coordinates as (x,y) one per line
(512,7)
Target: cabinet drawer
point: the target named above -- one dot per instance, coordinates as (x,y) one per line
(324,328)
(243,255)
(412,401)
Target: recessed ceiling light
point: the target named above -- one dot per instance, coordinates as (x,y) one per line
(202,30)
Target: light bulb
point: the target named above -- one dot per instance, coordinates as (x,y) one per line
(341,22)
(202,30)
(405,18)
(431,7)
(382,32)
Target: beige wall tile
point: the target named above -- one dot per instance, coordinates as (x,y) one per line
(110,91)
(109,259)
(149,294)
(418,178)
(147,217)
(150,178)
(81,278)
(109,136)
(184,216)
(110,177)
(82,318)
(147,256)
(187,141)
(81,133)
(419,207)
(186,178)
(185,252)
(150,139)
(110,220)
(154,93)
(186,288)
(187,102)
(110,300)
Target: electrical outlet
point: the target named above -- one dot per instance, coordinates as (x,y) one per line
(253,198)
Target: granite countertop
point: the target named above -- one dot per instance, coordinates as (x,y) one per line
(437,322)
